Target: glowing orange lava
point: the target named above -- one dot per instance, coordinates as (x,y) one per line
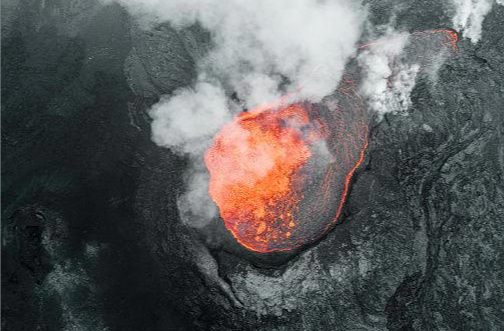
(255,165)
(262,164)
(280,174)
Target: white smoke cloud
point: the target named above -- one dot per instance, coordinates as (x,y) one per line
(195,206)
(186,121)
(258,42)
(470,14)
(387,82)
(261,50)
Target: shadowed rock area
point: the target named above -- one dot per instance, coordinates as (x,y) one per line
(92,238)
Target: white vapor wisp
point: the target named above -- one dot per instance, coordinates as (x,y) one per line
(257,44)
(186,120)
(387,81)
(469,16)
(261,50)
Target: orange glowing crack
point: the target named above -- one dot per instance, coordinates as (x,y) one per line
(348,179)
(450,39)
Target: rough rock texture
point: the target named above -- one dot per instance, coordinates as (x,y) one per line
(92,240)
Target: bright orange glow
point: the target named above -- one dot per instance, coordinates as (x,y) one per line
(255,164)
(262,163)
(280,174)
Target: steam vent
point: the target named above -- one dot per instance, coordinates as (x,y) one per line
(252,165)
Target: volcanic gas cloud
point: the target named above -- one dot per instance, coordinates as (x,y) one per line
(280,173)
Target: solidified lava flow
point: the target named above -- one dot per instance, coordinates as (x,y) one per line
(280,174)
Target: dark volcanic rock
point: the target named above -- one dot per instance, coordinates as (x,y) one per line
(92,239)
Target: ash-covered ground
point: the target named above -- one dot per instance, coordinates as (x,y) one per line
(91,233)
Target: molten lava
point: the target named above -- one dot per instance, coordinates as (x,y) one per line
(274,168)
(280,174)
(255,165)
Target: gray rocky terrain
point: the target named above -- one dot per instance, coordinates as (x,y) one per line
(92,239)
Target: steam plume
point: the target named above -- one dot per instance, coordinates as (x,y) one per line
(387,88)
(262,49)
(470,14)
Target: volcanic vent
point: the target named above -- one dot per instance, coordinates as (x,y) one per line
(280,173)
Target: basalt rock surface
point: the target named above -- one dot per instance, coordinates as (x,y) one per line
(92,239)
